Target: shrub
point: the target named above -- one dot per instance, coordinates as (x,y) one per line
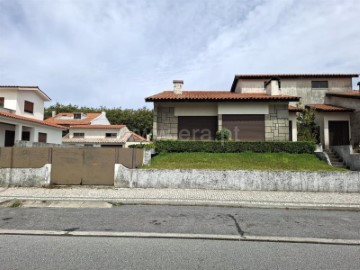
(233,146)
(146,146)
(223,135)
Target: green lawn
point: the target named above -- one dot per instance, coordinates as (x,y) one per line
(240,161)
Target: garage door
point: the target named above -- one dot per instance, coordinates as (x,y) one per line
(245,127)
(197,127)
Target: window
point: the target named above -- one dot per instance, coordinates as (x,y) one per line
(320,84)
(77,115)
(79,135)
(29,107)
(2,101)
(42,137)
(111,135)
(25,136)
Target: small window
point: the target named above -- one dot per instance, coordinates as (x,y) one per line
(29,107)
(111,135)
(42,137)
(77,115)
(79,135)
(2,101)
(25,136)
(320,84)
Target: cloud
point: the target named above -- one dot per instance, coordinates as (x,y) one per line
(115,53)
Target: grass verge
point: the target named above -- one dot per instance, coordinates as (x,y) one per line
(240,161)
(15,204)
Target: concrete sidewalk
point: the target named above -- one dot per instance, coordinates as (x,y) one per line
(302,200)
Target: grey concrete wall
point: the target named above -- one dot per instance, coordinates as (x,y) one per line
(238,180)
(25,177)
(277,123)
(351,160)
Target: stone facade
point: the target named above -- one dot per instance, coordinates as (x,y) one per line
(165,123)
(277,123)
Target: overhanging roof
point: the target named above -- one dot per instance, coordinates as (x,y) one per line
(215,96)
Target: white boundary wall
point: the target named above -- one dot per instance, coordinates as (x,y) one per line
(26,177)
(238,180)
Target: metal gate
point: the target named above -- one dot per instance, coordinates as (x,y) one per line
(83,166)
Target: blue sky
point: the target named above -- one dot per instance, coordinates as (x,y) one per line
(115,53)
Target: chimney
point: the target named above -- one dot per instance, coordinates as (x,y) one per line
(178,84)
(273,87)
(53,113)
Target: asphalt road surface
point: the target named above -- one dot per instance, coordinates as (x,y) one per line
(187,219)
(39,252)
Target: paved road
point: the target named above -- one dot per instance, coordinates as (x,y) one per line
(39,252)
(186,219)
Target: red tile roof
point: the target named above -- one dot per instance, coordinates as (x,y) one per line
(329,108)
(137,137)
(18,117)
(294,109)
(86,121)
(18,86)
(98,126)
(348,94)
(216,96)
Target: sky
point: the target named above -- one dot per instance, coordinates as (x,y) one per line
(114,53)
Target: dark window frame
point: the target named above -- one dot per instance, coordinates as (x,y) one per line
(42,137)
(110,135)
(78,135)
(28,106)
(2,102)
(319,84)
(77,116)
(25,136)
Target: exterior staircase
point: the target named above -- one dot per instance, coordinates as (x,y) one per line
(335,160)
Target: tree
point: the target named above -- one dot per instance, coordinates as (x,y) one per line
(307,128)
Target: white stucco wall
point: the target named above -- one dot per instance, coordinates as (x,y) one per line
(54,135)
(101,120)
(10,98)
(196,109)
(243,108)
(96,133)
(32,97)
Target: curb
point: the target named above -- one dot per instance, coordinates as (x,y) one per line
(195,202)
(183,236)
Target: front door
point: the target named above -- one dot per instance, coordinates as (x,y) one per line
(9,138)
(338,133)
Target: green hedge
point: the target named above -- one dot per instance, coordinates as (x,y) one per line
(233,146)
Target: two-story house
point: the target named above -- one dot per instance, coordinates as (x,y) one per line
(257,108)
(22,117)
(94,130)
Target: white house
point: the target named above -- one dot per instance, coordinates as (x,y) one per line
(22,117)
(261,107)
(102,136)
(76,119)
